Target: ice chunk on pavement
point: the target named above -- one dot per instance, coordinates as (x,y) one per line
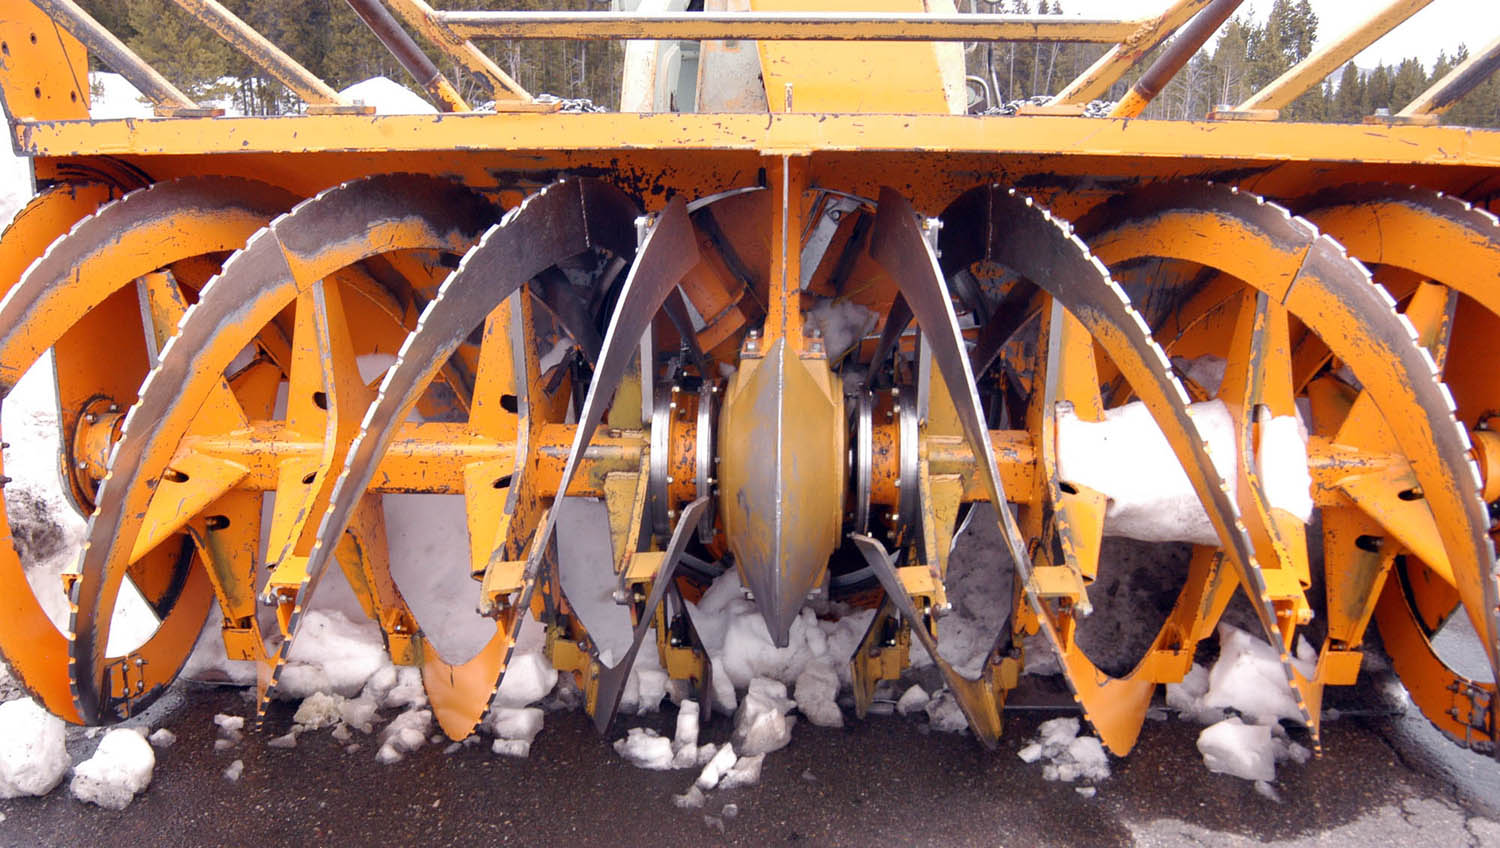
(943,713)
(522,723)
(236,768)
(762,725)
(408,692)
(118,771)
(162,738)
(1267,790)
(406,732)
(1068,756)
(319,710)
(705,753)
(1248,678)
(33,749)
(1243,750)
(1086,791)
(689,800)
(685,738)
(519,748)
(359,713)
(913,699)
(528,678)
(286,740)
(644,748)
(723,760)
(744,772)
(816,694)
(229,723)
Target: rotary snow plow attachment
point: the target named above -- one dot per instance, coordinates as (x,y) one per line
(788,339)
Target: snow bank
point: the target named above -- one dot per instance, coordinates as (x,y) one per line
(388,97)
(1068,756)
(119,770)
(1127,458)
(112,96)
(33,749)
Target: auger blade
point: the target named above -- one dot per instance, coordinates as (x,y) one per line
(320,237)
(611,679)
(559,222)
(102,254)
(976,698)
(995,224)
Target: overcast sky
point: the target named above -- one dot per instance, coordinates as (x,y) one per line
(1440,26)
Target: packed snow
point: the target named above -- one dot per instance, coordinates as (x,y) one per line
(1127,458)
(119,770)
(1067,755)
(33,749)
(388,97)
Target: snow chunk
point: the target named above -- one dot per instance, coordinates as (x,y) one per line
(162,738)
(1127,458)
(406,732)
(745,772)
(407,693)
(119,770)
(762,725)
(913,699)
(1243,750)
(690,800)
(516,723)
(722,761)
(332,654)
(1281,460)
(1248,678)
(1068,756)
(228,723)
(944,713)
(33,749)
(319,710)
(286,740)
(816,693)
(685,738)
(644,748)
(236,768)
(519,748)
(528,679)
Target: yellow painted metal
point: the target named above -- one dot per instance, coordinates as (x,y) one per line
(41,79)
(1329,57)
(785,26)
(1094,82)
(1130,143)
(422,18)
(1439,97)
(67,14)
(258,49)
(824,77)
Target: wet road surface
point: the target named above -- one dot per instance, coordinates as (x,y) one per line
(879,781)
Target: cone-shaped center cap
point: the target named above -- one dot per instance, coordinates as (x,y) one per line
(781,478)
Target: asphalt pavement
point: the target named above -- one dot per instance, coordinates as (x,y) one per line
(1382,779)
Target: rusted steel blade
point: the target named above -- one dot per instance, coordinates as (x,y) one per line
(559,222)
(611,679)
(102,254)
(975,697)
(669,251)
(319,237)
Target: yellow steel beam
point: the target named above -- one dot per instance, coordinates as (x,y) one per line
(258,49)
(784,26)
(797,132)
(113,52)
(1092,83)
(422,18)
(1455,84)
(1329,58)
